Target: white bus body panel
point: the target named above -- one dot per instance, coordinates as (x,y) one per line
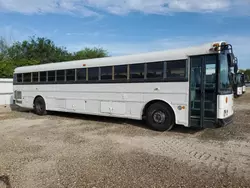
(239,90)
(225,109)
(116,100)
(244,89)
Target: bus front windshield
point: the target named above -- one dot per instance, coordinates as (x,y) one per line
(224,73)
(239,80)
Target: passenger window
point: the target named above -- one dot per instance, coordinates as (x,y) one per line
(155,70)
(93,74)
(121,72)
(35,77)
(60,75)
(106,73)
(176,69)
(19,78)
(137,71)
(81,74)
(70,74)
(27,77)
(51,76)
(43,76)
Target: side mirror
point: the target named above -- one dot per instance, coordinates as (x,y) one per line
(231,60)
(235,68)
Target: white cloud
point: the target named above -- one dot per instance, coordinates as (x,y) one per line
(86,34)
(45,6)
(85,7)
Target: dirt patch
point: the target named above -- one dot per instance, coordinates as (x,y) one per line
(86,151)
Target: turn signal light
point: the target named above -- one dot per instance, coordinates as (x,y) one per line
(226,99)
(216,45)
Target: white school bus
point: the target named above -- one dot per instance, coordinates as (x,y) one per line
(189,87)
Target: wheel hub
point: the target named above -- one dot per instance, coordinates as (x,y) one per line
(159,117)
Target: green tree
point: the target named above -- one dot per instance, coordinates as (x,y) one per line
(247,73)
(7,66)
(90,53)
(41,49)
(3,48)
(6,70)
(241,70)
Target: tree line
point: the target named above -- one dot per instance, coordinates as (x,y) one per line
(39,50)
(247,74)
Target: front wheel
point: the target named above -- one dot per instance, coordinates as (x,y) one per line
(40,106)
(160,117)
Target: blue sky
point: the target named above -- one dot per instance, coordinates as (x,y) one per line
(130,26)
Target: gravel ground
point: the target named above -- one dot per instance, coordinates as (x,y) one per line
(68,150)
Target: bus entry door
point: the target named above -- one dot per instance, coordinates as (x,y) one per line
(203,91)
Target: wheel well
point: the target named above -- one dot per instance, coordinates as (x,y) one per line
(36,98)
(155,101)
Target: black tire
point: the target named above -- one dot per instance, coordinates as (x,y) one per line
(160,117)
(40,106)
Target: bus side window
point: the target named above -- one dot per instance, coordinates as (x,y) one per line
(155,70)
(27,77)
(137,71)
(176,69)
(60,75)
(51,76)
(70,75)
(43,76)
(81,74)
(35,77)
(121,72)
(106,73)
(93,74)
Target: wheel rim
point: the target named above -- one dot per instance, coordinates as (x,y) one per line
(159,117)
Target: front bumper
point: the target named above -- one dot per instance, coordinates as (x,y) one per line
(225,122)
(210,124)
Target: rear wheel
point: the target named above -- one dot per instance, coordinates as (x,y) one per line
(160,117)
(40,106)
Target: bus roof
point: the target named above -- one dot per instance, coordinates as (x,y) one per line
(168,55)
